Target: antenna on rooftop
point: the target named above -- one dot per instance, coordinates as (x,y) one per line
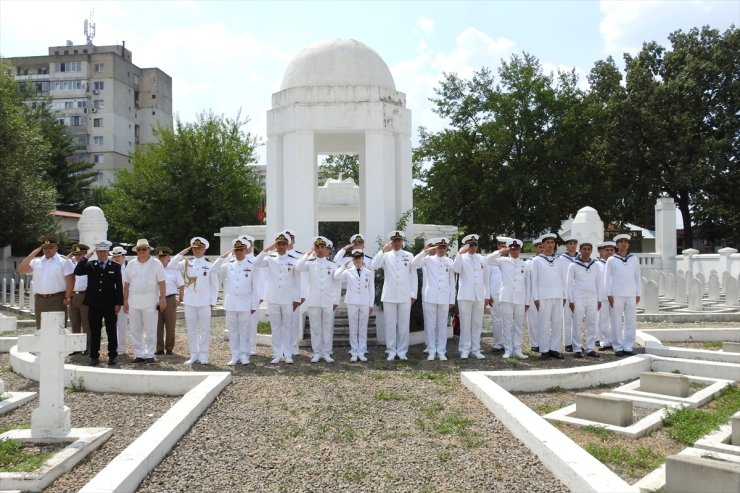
(90,28)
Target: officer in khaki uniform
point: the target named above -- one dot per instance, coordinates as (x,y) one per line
(78,316)
(174,286)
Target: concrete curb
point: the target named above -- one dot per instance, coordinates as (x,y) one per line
(15,399)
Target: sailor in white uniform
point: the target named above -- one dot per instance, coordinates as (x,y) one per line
(585,290)
(472,293)
(438,294)
(548,296)
(497,325)
(533,321)
(359,298)
(606,250)
(623,289)
(566,259)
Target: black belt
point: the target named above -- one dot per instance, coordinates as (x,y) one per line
(170,295)
(61,293)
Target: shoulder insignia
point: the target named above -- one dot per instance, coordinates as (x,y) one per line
(293,256)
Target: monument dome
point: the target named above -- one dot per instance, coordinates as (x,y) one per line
(337,62)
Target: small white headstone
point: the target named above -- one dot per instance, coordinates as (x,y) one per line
(52,343)
(731,295)
(661,283)
(713,286)
(725,280)
(681,290)
(649,298)
(700,277)
(670,286)
(695,296)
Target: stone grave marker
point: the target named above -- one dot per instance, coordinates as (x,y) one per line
(649,298)
(695,295)
(731,295)
(681,290)
(52,343)
(725,281)
(735,423)
(670,286)
(699,276)
(713,286)
(604,409)
(664,383)
(731,347)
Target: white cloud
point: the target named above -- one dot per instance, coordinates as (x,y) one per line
(473,49)
(426,26)
(619,17)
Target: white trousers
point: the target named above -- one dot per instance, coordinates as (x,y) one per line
(497,323)
(283,329)
(435,325)
(198,322)
(512,316)
(551,324)
(397,317)
(322,330)
(358,316)
(533,325)
(585,318)
(297,332)
(239,323)
(253,332)
(471,323)
(623,334)
(122,331)
(143,325)
(568,326)
(605,324)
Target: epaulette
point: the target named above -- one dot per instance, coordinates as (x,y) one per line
(367,256)
(273,255)
(299,253)
(250,261)
(293,256)
(311,259)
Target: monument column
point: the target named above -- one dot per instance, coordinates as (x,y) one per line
(273,181)
(377,201)
(404,181)
(298,193)
(665,232)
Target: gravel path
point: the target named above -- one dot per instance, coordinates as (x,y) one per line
(375,426)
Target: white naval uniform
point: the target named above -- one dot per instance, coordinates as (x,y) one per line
(259,275)
(297,334)
(622,282)
(437,294)
(548,288)
(282,289)
(201,294)
(495,308)
(584,291)
(122,321)
(568,326)
(512,298)
(339,258)
(241,298)
(400,286)
(359,297)
(533,320)
(472,293)
(323,295)
(605,312)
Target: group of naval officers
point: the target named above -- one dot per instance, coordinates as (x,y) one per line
(566,299)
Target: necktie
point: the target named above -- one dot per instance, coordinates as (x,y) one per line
(359,272)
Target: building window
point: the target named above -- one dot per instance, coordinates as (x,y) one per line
(98,140)
(68,105)
(99,159)
(81,103)
(68,67)
(99,67)
(99,85)
(66,85)
(99,104)
(99,177)
(97,122)
(154,96)
(154,112)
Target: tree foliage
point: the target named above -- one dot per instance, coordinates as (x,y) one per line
(336,165)
(27,196)
(194,181)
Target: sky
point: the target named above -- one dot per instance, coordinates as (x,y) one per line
(231,55)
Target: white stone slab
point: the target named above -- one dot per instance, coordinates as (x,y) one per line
(731,292)
(604,409)
(712,388)
(651,422)
(665,384)
(650,298)
(696,293)
(8,324)
(13,400)
(686,474)
(681,290)
(713,287)
(731,347)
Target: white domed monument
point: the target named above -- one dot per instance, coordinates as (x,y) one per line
(337,97)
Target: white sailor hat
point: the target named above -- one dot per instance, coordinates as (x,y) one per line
(289,232)
(514,243)
(322,241)
(282,237)
(358,253)
(471,238)
(569,238)
(537,241)
(357,237)
(502,239)
(610,244)
(600,245)
(443,242)
(430,241)
(103,245)
(118,251)
(248,238)
(199,241)
(240,243)
(396,235)
(548,236)
(622,237)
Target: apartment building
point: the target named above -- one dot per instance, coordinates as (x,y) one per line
(109,105)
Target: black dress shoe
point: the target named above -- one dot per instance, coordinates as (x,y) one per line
(94,362)
(605,348)
(535,349)
(112,362)
(75,353)
(159,352)
(619,353)
(569,348)
(545,356)
(593,354)
(139,360)
(168,352)
(555,354)
(150,361)
(578,355)
(629,353)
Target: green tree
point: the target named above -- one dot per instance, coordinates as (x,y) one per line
(27,196)
(685,104)
(336,165)
(194,181)
(71,174)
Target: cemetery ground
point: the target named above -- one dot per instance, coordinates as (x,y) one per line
(375,426)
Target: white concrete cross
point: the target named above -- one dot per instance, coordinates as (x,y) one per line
(52,343)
